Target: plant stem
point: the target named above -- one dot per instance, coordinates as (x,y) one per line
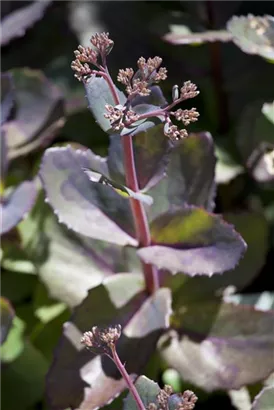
(139,215)
(127,378)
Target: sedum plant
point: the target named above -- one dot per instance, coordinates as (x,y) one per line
(142,221)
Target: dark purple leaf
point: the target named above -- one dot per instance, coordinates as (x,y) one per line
(7,315)
(156,97)
(253,34)
(80,379)
(151,155)
(7,97)
(86,207)
(220,346)
(98,95)
(264,400)
(190,176)
(16,23)
(17,204)
(39,112)
(194,242)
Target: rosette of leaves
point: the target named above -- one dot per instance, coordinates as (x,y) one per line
(32,112)
(182,235)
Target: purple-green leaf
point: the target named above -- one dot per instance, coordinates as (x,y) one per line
(151,155)
(88,208)
(39,112)
(194,242)
(80,379)
(220,346)
(147,390)
(7,315)
(98,95)
(16,23)
(190,176)
(17,204)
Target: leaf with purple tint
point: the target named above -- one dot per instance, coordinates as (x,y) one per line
(254,230)
(7,315)
(7,96)
(88,208)
(194,242)
(220,345)
(253,34)
(80,379)
(190,176)
(16,23)
(3,155)
(156,97)
(151,149)
(98,95)
(264,400)
(143,125)
(17,204)
(39,112)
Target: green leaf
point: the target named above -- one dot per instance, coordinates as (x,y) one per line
(80,379)
(25,376)
(198,38)
(147,390)
(98,95)
(268,111)
(194,242)
(14,344)
(39,113)
(7,96)
(264,400)
(253,34)
(88,208)
(7,315)
(220,345)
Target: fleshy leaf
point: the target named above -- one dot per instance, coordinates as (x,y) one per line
(254,229)
(91,209)
(220,346)
(7,97)
(119,188)
(151,155)
(98,95)
(80,379)
(15,24)
(194,242)
(7,315)
(198,38)
(39,113)
(190,176)
(253,34)
(147,390)
(17,204)
(68,280)
(264,400)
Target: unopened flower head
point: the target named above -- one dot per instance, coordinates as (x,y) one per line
(102,42)
(189,90)
(101,340)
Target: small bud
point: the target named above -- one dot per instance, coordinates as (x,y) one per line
(101,340)
(175,93)
(189,90)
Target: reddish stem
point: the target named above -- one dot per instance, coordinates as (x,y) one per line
(127,378)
